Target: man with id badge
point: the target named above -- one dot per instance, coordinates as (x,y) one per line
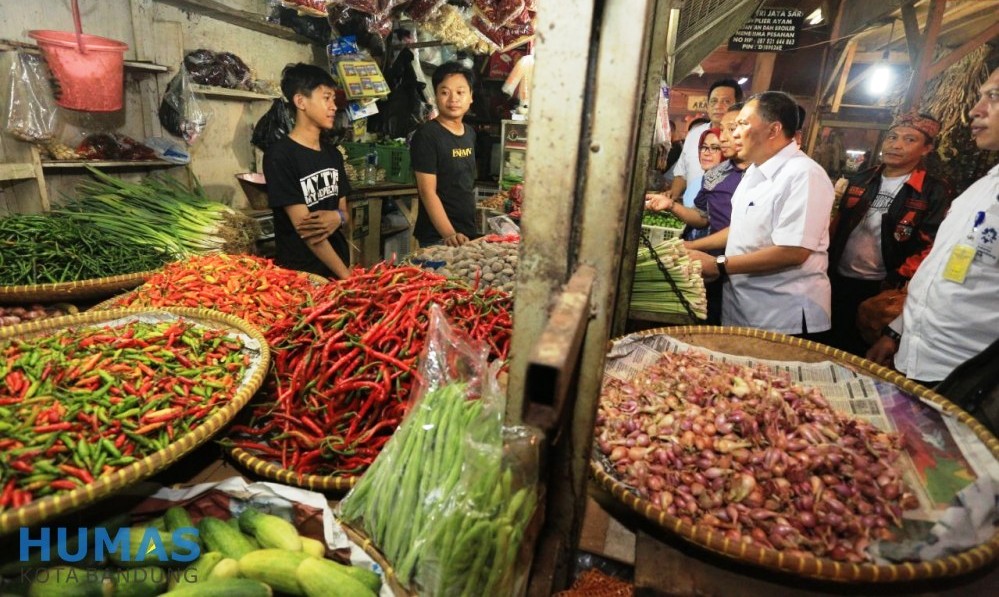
(952,309)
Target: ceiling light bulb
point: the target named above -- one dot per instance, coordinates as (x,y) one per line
(816,17)
(742,80)
(880,80)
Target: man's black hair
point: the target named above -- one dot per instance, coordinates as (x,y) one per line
(727,83)
(452,68)
(736,107)
(777,106)
(801,117)
(303,78)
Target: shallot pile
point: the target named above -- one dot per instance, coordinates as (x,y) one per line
(752,455)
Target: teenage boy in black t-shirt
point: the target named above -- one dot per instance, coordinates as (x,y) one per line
(443,156)
(306,182)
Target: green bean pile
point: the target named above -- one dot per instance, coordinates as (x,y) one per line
(40,249)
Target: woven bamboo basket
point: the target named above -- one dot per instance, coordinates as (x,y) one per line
(67,291)
(767,345)
(362,541)
(275,472)
(43,509)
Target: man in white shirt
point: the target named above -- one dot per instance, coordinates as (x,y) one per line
(775,258)
(951,312)
(687,172)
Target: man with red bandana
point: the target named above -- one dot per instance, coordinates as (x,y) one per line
(886,223)
(951,312)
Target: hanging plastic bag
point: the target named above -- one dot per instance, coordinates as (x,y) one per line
(273,126)
(421,9)
(31,109)
(220,69)
(183,112)
(464,485)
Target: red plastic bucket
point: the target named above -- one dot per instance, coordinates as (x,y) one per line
(92,80)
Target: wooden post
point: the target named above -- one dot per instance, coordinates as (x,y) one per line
(913,38)
(763,71)
(844,75)
(933,21)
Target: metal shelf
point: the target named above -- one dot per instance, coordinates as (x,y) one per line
(7,45)
(69,164)
(241,18)
(233,94)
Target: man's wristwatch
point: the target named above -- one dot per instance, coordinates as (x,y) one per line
(887,331)
(721,261)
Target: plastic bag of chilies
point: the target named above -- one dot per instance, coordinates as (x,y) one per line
(220,69)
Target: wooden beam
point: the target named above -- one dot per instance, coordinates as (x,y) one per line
(918,82)
(913,39)
(844,75)
(869,57)
(835,72)
(960,52)
(763,71)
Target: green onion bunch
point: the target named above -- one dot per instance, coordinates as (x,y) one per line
(161,212)
(650,290)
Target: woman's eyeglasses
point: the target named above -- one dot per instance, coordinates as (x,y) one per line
(709,148)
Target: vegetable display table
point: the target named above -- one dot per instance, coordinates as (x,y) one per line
(364,205)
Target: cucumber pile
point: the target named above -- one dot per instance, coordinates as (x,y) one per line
(254,555)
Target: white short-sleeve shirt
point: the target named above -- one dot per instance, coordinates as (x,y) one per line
(786,201)
(946,323)
(688,165)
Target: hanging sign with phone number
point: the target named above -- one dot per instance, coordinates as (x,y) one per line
(769,30)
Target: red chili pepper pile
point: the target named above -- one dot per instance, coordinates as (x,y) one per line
(80,403)
(501,238)
(346,368)
(250,288)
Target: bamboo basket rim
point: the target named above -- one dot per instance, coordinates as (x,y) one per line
(810,566)
(361,540)
(92,288)
(275,472)
(45,508)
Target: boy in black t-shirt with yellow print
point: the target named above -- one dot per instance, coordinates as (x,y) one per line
(443,156)
(307,184)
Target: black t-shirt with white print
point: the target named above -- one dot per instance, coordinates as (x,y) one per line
(297,174)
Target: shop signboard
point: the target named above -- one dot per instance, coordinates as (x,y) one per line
(697,103)
(769,30)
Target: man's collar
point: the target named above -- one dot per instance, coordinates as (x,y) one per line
(770,167)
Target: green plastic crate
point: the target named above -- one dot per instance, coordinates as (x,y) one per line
(393,159)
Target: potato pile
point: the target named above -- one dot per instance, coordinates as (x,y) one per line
(489,264)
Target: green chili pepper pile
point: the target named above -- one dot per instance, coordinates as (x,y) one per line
(662,219)
(344,368)
(440,504)
(40,249)
(80,403)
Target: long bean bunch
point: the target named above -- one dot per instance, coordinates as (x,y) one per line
(40,249)
(456,532)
